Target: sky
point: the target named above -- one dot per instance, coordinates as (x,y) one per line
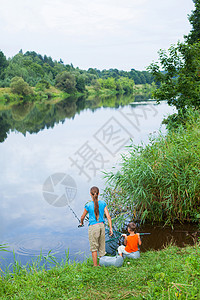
(100,34)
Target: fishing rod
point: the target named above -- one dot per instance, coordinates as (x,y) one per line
(120,235)
(76,215)
(86,218)
(141,233)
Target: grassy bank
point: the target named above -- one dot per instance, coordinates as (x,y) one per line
(51,95)
(138,89)
(173,273)
(160,182)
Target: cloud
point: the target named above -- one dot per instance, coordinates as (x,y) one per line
(73,18)
(88,17)
(17,16)
(94,33)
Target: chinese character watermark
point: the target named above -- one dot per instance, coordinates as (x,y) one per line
(88,161)
(112,136)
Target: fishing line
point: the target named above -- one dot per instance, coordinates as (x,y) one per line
(74,213)
(86,218)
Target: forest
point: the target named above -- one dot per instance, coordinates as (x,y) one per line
(33,76)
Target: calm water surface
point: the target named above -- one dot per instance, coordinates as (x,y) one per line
(50,156)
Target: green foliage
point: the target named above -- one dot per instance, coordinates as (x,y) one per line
(3,64)
(33,67)
(180,81)
(126,84)
(20,87)
(5,82)
(194,18)
(66,82)
(120,85)
(80,84)
(33,116)
(42,85)
(108,83)
(172,273)
(137,76)
(4,247)
(180,119)
(96,85)
(159,182)
(41,71)
(178,71)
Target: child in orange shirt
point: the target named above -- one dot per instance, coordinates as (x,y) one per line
(131,242)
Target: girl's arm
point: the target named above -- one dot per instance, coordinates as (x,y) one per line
(139,240)
(83,216)
(109,219)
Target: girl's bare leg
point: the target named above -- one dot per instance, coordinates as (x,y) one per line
(94,257)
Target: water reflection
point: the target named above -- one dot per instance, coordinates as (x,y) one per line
(28,223)
(31,118)
(180,235)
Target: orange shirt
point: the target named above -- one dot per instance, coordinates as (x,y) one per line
(132,243)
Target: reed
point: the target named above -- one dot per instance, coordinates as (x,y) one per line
(159,182)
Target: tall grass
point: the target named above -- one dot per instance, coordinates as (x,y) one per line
(159,182)
(41,263)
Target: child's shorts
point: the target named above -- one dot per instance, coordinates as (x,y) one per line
(97,238)
(121,250)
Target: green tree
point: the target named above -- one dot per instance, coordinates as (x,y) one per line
(127,85)
(66,82)
(178,73)
(108,83)
(80,84)
(179,70)
(42,85)
(20,87)
(3,63)
(119,87)
(96,85)
(194,19)
(36,68)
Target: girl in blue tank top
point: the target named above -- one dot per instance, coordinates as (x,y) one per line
(96,209)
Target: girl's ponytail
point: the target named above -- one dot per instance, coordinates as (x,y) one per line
(95,192)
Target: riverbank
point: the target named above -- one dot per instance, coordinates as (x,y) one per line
(172,273)
(139,89)
(159,182)
(49,96)
(52,95)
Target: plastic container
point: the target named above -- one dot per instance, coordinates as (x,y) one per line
(107,261)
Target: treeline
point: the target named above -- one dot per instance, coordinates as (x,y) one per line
(31,69)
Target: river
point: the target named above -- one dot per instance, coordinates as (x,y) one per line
(50,156)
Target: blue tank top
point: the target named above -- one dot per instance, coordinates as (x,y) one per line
(90,208)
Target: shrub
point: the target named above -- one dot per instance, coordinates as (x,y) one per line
(160,182)
(66,82)
(20,87)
